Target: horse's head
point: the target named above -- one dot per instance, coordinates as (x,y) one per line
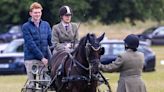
(93,51)
(83,63)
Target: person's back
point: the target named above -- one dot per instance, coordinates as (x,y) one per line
(133,63)
(130,72)
(130,65)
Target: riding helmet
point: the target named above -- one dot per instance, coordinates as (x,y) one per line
(132,41)
(65,10)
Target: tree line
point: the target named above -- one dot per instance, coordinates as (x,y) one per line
(105,11)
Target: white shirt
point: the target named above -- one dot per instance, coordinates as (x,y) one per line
(66,24)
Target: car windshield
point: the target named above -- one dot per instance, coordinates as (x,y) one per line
(14,46)
(113,49)
(150,30)
(118,48)
(159,31)
(15,29)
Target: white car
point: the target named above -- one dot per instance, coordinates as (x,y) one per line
(12,58)
(3,46)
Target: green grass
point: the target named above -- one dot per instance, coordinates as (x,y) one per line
(154,80)
(12,83)
(118,31)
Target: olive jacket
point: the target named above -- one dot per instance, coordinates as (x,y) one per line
(130,65)
(61,36)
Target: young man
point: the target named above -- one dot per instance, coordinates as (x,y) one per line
(130,65)
(37,38)
(65,33)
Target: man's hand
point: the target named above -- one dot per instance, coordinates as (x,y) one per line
(45,61)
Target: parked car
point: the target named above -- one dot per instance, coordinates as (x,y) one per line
(12,58)
(153,35)
(115,47)
(13,33)
(3,46)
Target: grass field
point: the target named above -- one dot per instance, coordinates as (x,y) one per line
(154,80)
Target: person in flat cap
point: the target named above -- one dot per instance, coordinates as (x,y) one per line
(65,33)
(130,65)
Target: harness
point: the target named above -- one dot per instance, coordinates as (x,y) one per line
(68,78)
(73,78)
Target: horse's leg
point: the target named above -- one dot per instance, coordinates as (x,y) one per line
(92,87)
(74,90)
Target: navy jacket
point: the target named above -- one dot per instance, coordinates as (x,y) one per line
(36,40)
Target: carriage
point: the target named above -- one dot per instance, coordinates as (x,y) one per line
(73,72)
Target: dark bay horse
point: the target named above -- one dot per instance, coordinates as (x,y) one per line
(76,71)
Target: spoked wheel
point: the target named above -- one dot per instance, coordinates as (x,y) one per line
(27,90)
(39,86)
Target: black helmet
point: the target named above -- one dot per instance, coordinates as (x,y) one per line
(132,41)
(65,10)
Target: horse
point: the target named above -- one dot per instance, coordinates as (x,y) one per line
(76,71)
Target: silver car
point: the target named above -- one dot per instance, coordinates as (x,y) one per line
(12,58)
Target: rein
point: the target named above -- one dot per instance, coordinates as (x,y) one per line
(74,78)
(79,66)
(75,62)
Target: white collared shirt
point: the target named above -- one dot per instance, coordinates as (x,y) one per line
(66,24)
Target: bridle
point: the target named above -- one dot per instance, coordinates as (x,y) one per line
(75,63)
(87,76)
(91,62)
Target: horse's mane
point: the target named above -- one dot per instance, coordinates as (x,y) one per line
(83,57)
(83,41)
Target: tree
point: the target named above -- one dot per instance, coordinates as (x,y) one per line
(105,11)
(13,11)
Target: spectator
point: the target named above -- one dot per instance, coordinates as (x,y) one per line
(37,37)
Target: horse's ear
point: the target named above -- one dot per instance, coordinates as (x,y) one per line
(88,37)
(101,37)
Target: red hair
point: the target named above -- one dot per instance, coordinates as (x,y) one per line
(35,5)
